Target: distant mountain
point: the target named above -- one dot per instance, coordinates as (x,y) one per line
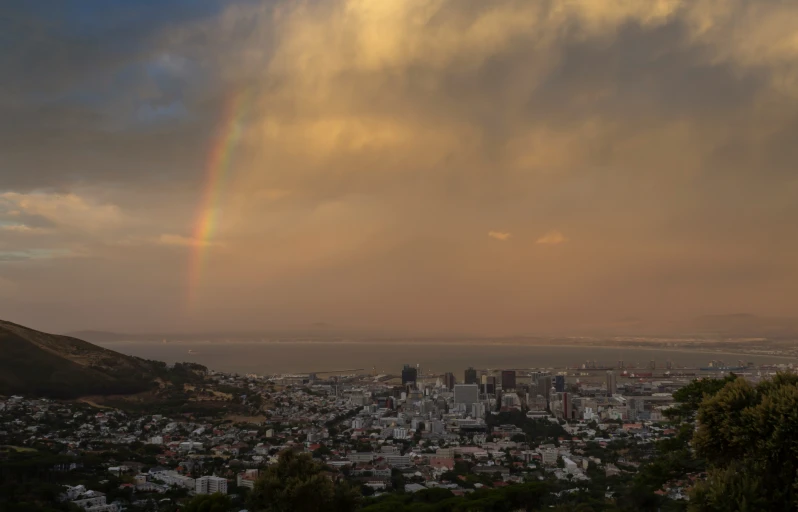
(746,325)
(48,365)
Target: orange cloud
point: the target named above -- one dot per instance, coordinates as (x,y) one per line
(181,241)
(553,237)
(500,235)
(24,229)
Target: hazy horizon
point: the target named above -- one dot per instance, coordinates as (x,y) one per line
(424,166)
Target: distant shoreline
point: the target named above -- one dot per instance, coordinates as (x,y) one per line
(702,350)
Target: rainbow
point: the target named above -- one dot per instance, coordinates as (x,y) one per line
(220,160)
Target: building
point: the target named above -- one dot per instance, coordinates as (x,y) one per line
(508,379)
(634,406)
(93,501)
(247,478)
(548,456)
(559,383)
(466,394)
(441,463)
(470,376)
(448,380)
(398,461)
(211,485)
(360,457)
(612,387)
(543,382)
(567,406)
(446,453)
(510,400)
(409,374)
(401,433)
(489,385)
(561,405)
(170,477)
(188,446)
(652,365)
(569,466)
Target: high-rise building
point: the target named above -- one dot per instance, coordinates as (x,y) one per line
(211,485)
(508,379)
(489,385)
(466,393)
(620,364)
(633,408)
(543,382)
(652,365)
(612,387)
(409,374)
(559,383)
(668,365)
(470,376)
(448,380)
(561,405)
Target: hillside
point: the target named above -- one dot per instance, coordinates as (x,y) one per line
(36,363)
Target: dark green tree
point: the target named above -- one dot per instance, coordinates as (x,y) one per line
(747,434)
(209,503)
(298,484)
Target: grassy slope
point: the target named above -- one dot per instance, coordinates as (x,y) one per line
(35,363)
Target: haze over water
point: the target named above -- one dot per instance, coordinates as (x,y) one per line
(389,357)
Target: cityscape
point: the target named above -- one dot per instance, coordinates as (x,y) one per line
(403,433)
(398,255)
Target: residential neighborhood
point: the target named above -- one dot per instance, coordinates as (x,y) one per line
(373,431)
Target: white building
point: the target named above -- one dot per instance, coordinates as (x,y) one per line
(549,456)
(92,501)
(247,478)
(170,477)
(211,485)
(399,461)
(570,466)
(188,446)
(359,457)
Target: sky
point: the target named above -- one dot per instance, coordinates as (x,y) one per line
(432,166)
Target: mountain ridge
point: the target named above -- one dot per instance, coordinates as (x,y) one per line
(55,366)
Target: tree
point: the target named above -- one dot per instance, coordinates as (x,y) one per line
(689,398)
(297,483)
(209,503)
(747,435)
(734,487)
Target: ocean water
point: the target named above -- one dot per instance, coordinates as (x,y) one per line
(267,358)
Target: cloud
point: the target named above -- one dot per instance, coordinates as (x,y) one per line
(33,254)
(553,237)
(369,128)
(500,235)
(66,210)
(181,241)
(24,229)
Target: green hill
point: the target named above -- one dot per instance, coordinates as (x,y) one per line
(48,365)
